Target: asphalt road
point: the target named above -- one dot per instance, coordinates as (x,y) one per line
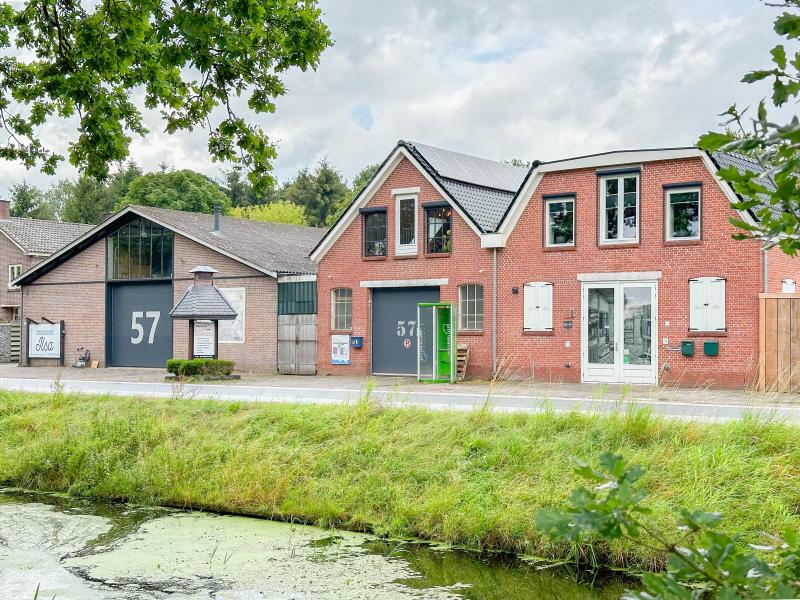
(431,399)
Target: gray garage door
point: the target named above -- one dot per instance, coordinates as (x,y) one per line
(394,328)
(141,328)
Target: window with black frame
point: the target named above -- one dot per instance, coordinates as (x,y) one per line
(375,233)
(140,249)
(440,229)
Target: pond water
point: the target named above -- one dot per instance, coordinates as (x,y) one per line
(77,549)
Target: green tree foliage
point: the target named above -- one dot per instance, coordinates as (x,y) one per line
(275,212)
(88,200)
(179,190)
(87,62)
(359,183)
(703,562)
(318,191)
(773,144)
(28,201)
(241,193)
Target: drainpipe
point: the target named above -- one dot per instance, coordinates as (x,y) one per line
(494,312)
(764,270)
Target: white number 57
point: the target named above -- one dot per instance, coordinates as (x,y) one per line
(137,327)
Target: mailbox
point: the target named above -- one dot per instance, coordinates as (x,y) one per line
(711,348)
(687,347)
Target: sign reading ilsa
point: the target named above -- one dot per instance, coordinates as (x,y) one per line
(204,338)
(340,349)
(44,340)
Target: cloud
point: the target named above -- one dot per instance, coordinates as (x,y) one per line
(515,79)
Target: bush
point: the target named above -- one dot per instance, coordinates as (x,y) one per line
(199,366)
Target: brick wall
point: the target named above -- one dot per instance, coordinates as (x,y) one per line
(10,254)
(524,260)
(258,353)
(343,266)
(781,266)
(715,255)
(75,292)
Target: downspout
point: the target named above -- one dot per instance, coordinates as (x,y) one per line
(494,312)
(764,270)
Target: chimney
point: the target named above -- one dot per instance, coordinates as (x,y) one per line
(5,209)
(217,219)
(203,275)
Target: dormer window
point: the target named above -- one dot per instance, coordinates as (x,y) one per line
(619,208)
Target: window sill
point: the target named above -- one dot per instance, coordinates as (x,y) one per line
(682,242)
(538,333)
(404,256)
(437,255)
(341,332)
(617,245)
(571,248)
(711,334)
(373,257)
(470,332)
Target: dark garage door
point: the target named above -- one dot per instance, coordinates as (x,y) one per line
(394,331)
(141,328)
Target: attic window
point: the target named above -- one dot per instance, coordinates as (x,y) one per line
(140,249)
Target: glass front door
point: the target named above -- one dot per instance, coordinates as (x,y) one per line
(618,332)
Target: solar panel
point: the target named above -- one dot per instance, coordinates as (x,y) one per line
(480,171)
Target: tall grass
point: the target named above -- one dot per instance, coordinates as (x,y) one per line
(473,479)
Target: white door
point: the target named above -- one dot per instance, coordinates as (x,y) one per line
(619,332)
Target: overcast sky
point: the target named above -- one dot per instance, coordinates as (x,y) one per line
(535,79)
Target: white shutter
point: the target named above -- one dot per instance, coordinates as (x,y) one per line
(546,307)
(538,306)
(697,305)
(707,304)
(715,298)
(529,296)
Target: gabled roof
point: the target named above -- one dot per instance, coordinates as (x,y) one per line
(272,248)
(480,190)
(483,188)
(203,302)
(41,237)
(743,164)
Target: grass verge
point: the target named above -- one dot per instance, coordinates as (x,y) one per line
(472,479)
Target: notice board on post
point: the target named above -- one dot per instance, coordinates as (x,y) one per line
(45,340)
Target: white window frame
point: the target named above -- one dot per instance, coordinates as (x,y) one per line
(621,177)
(547,224)
(700,285)
(474,300)
(406,249)
(334,302)
(668,211)
(14,271)
(540,323)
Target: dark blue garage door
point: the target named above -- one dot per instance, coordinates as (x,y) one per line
(141,328)
(394,328)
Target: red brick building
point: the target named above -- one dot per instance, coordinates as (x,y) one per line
(610,267)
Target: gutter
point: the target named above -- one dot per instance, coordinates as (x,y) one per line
(494,312)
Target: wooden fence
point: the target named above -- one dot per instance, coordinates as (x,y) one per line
(779,342)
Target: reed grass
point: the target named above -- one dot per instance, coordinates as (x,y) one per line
(472,479)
